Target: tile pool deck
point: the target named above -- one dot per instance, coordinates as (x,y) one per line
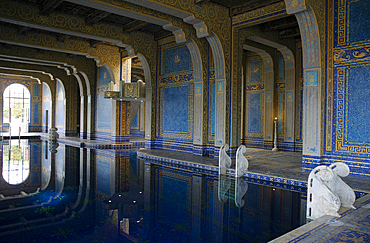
(283,168)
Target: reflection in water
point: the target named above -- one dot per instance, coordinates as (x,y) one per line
(111,196)
(16,164)
(224,183)
(229,191)
(241,188)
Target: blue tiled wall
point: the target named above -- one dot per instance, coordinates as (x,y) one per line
(254,112)
(175,109)
(358,18)
(357,113)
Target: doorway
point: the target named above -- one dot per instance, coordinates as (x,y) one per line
(16,110)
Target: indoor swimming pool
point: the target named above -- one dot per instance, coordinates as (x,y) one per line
(60,193)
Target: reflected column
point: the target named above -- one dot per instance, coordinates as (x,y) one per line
(196,205)
(217,216)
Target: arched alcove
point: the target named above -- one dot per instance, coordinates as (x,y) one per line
(60,107)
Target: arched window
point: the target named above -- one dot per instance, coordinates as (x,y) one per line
(16,108)
(16,162)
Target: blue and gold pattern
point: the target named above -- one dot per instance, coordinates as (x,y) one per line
(353,55)
(177,79)
(255,87)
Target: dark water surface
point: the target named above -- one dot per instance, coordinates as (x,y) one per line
(59,193)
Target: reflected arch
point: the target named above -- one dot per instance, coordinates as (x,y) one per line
(15,162)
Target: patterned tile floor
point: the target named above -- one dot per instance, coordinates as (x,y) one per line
(264,162)
(352,226)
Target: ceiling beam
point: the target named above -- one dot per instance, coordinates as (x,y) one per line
(201,1)
(22,30)
(95,16)
(163,33)
(280,24)
(94,43)
(289,33)
(48,6)
(62,37)
(134,25)
(250,5)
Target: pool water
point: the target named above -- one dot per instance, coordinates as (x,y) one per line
(72,194)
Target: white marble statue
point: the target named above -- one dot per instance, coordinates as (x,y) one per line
(320,199)
(339,187)
(224,161)
(241,188)
(241,162)
(326,192)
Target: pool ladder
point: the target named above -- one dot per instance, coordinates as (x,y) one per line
(224,161)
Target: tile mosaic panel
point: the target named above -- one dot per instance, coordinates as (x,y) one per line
(176,111)
(349,23)
(254,112)
(357,106)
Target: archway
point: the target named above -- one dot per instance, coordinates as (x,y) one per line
(16,110)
